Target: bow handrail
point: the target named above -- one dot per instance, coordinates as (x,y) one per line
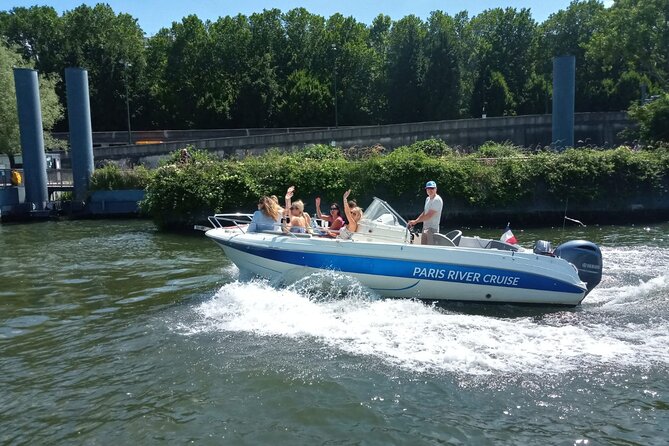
(240,220)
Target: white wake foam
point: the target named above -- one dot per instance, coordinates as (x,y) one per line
(420,337)
(634,280)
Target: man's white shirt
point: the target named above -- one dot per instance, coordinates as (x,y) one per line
(437,204)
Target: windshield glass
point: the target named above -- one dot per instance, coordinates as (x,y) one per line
(381,212)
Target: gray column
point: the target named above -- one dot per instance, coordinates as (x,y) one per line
(564,91)
(81,134)
(32,136)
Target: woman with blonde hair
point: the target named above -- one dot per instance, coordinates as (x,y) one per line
(267,217)
(353,215)
(298,221)
(276,200)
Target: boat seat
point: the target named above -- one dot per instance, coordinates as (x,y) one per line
(442,240)
(496,244)
(454,236)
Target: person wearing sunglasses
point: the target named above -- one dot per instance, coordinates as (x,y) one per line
(297,221)
(431,215)
(353,215)
(335,219)
(267,217)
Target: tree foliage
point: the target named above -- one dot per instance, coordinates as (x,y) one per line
(52,111)
(275,68)
(569,32)
(653,119)
(502,41)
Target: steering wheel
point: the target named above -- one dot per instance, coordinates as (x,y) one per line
(412,232)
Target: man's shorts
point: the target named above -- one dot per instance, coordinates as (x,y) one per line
(426,238)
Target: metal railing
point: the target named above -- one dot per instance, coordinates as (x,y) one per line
(55,178)
(61,178)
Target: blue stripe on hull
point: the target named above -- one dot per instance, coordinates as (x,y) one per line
(411,269)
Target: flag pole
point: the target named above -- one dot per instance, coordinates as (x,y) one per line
(564,220)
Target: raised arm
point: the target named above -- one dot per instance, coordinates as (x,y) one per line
(318,208)
(289,195)
(347,210)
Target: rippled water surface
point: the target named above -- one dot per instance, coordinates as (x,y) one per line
(113,333)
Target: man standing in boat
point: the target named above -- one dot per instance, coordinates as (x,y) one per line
(431,215)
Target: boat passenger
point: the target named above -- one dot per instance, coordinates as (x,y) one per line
(267,217)
(431,215)
(294,213)
(352,204)
(276,200)
(354,215)
(335,220)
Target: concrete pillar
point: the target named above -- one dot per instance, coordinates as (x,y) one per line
(564,91)
(81,134)
(32,136)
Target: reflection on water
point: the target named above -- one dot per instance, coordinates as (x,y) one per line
(111,328)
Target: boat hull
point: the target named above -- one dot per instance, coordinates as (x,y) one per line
(409,271)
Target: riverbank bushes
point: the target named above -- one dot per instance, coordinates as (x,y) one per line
(494,178)
(111,177)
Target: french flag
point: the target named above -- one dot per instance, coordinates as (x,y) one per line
(508,236)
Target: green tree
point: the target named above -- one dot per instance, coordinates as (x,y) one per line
(627,90)
(111,48)
(158,111)
(307,100)
(442,86)
(537,95)
(406,69)
(260,95)
(188,72)
(568,32)
(498,99)
(635,36)
(357,69)
(502,40)
(379,42)
(229,40)
(52,111)
(307,97)
(38,33)
(306,42)
(653,119)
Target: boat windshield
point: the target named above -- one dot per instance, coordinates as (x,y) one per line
(381,212)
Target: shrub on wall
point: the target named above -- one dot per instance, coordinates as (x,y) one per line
(314,171)
(179,193)
(111,177)
(182,194)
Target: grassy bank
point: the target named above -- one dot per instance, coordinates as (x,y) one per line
(491,183)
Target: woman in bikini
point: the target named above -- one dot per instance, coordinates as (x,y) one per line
(335,220)
(353,215)
(294,213)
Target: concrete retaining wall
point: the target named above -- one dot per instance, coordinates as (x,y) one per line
(10,196)
(598,129)
(115,202)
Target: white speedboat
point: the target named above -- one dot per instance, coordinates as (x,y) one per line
(387,258)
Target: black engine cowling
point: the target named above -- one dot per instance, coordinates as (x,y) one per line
(586,257)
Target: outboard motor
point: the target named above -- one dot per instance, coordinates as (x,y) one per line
(586,257)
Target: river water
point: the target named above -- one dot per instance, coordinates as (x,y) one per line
(114,333)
